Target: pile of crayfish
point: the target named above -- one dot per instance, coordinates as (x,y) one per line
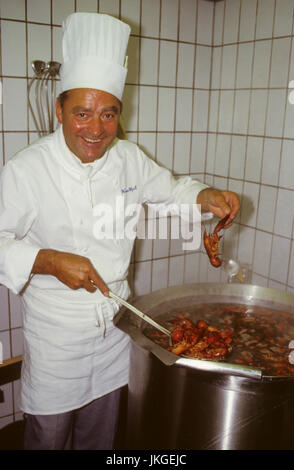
(200,341)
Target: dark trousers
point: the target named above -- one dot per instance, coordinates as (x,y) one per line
(92,427)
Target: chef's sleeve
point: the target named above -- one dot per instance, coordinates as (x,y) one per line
(17,215)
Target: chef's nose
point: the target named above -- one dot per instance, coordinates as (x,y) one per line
(95,126)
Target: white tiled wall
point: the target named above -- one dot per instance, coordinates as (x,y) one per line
(206,95)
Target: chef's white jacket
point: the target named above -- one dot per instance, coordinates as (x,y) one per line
(72,351)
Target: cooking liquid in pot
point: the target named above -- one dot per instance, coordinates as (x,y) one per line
(260,336)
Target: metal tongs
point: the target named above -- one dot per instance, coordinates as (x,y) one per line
(140,314)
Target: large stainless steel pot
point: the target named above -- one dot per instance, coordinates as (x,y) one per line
(177,403)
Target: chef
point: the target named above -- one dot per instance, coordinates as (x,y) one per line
(75,361)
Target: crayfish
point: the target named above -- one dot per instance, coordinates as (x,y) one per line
(211,241)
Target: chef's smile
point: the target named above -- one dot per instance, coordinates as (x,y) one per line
(90,120)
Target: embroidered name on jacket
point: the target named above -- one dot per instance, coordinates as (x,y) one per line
(129,189)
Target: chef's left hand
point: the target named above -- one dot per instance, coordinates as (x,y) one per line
(220,203)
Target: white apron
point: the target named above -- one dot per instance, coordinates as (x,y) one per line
(72,351)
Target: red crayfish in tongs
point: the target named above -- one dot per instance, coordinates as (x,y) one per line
(211,241)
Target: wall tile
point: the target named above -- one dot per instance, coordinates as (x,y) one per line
(204,22)
(275,113)
(168,61)
(225,120)
(110,7)
(284,213)
(210,156)
(61,10)
(15,39)
(150,18)
(39,44)
(38,10)
(14,97)
(249,204)
(169,19)
(187,20)
(133,61)
(130,13)
(261,64)
(200,110)
(182,153)
(15,310)
(283,18)
(257,117)
(148,108)
(198,153)
(191,273)
(213,110)
(241,111)
(280,259)
(253,159)
(147,142)
(203,65)
(142,278)
(266,208)
(289,119)
(165,145)
(291,266)
(5,342)
(271,161)
(184,101)
(176,270)
(186,55)
(130,107)
(232,12)
(216,67)
(246,245)
(262,253)
(218,23)
(149,61)
(17,341)
(159,274)
(265,17)
(237,161)
(222,155)
(229,66)
(244,67)
(280,62)
(14,9)
(248,20)
(287,165)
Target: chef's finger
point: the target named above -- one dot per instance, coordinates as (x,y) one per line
(90,286)
(97,281)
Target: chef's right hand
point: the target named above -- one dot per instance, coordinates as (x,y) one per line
(73,270)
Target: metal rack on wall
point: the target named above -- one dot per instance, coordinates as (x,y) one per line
(42,95)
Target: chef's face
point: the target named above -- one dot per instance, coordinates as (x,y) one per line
(89,119)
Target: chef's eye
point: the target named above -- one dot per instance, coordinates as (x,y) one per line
(108,116)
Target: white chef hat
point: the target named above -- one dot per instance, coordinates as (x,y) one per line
(94,47)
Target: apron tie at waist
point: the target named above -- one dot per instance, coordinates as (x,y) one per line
(100,319)
(105,313)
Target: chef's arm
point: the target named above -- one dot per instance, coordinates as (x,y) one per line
(73,270)
(220,203)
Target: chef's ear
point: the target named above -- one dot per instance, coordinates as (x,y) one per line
(58,111)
